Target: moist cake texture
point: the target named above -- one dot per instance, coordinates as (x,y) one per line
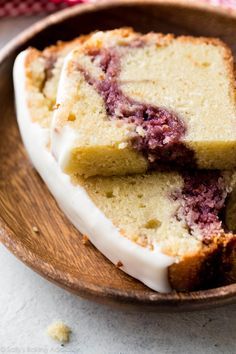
(43,71)
(150,100)
(178,212)
(159,130)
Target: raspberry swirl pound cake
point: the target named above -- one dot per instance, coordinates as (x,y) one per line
(177,214)
(129,102)
(165,229)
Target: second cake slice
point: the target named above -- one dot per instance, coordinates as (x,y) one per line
(129,102)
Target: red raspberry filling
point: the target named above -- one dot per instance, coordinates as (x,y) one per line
(161,129)
(203,201)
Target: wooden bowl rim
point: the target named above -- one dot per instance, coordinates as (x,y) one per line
(212,297)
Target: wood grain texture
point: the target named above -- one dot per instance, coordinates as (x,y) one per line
(57,251)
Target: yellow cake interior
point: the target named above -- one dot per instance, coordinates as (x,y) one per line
(192,77)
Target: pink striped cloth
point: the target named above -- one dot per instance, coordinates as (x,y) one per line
(30,7)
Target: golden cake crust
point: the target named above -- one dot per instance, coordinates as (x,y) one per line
(214,265)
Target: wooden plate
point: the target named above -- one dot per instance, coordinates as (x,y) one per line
(57,251)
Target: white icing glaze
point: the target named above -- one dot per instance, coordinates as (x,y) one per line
(63,139)
(148,266)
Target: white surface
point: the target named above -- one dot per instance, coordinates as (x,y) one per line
(28,304)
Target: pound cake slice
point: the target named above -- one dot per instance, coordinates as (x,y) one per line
(43,69)
(163,228)
(179,214)
(129,102)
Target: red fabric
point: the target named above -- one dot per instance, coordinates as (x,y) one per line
(30,7)
(26,7)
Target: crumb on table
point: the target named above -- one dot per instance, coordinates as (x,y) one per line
(59,331)
(85,240)
(119,264)
(35,229)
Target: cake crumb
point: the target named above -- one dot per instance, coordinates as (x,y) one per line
(85,240)
(35,229)
(119,264)
(59,332)
(56,106)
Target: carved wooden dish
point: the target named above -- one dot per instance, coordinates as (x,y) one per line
(57,251)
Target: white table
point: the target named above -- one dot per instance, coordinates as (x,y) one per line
(28,304)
